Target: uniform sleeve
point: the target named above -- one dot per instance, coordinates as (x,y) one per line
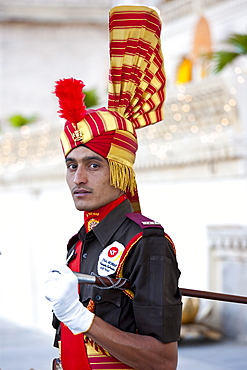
(153,272)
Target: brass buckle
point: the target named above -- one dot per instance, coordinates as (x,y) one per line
(56,364)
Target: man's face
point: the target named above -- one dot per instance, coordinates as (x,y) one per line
(88,177)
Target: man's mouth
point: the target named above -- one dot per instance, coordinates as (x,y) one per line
(81,192)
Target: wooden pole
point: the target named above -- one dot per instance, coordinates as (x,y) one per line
(111,283)
(213,295)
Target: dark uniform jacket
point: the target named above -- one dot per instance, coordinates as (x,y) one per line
(151,268)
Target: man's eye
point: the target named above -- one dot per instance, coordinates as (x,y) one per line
(71,166)
(94,166)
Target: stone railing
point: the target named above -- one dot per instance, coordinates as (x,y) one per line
(178,9)
(48,11)
(97,11)
(228,240)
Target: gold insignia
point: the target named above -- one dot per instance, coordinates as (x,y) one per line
(77,135)
(92,223)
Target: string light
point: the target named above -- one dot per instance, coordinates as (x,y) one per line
(192,116)
(29,146)
(177,117)
(232,102)
(224,122)
(240,79)
(237,70)
(188,98)
(219,128)
(186,108)
(227,108)
(168,136)
(180,96)
(194,129)
(173,128)
(174,107)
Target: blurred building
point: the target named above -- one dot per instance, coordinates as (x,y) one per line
(191,168)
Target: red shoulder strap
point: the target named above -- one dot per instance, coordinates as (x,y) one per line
(129,246)
(74,264)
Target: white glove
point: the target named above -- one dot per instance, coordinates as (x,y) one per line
(61,289)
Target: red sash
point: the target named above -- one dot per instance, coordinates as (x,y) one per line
(73,351)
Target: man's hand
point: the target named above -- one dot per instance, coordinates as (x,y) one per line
(61,289)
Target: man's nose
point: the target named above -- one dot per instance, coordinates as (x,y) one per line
(80,176)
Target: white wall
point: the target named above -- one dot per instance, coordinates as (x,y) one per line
(186,208)
(34,56)
(36,226)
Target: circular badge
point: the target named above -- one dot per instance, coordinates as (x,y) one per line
(109,259)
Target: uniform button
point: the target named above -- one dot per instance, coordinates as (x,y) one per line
(98,298)
(84,255)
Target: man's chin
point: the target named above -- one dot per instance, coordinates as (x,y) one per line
(82,207)
(79,206)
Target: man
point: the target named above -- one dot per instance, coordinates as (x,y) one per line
(135,328)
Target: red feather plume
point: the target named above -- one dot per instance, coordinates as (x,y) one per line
(71,99)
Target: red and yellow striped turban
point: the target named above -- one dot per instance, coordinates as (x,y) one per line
(135,98)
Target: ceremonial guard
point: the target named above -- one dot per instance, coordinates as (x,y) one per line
(138,326)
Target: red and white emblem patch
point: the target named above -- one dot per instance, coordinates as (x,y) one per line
(109,259)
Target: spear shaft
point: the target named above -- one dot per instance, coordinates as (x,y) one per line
(120,283)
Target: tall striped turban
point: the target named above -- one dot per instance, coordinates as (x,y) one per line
(135,98)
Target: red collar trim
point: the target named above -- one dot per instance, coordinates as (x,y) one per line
(91,219)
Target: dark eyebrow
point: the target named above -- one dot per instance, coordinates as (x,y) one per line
(86,159)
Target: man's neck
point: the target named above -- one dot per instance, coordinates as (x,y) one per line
(92,218)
